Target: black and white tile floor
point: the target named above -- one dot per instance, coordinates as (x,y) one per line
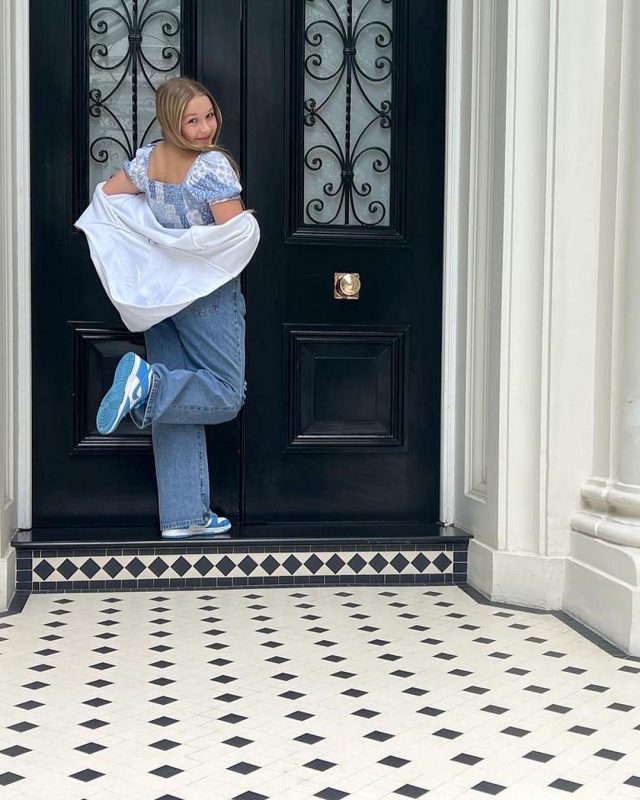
(357,692)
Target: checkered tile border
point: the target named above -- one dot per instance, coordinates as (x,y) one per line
(211,566)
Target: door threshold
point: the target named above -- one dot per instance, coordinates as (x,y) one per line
(244,534)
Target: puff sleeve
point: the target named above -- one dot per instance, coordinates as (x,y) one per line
(136,169)
(213,178)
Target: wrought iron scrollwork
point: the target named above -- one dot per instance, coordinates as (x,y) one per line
(345,39)
(122,71)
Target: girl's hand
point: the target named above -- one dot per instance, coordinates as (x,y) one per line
(120,184)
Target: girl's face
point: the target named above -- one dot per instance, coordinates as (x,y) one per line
(199,123)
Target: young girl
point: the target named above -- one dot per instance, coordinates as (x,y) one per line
(196,372)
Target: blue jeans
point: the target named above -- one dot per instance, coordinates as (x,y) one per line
(198,361)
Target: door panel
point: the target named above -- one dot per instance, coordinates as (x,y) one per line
(343,415)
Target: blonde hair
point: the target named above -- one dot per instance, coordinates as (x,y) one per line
(171,100)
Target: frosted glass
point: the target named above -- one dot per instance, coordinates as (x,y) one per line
(347,112)
(133,45)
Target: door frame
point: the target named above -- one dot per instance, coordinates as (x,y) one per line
(15,302)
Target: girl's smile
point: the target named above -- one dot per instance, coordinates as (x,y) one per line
(199,122)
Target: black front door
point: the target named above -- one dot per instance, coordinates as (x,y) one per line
(335,111)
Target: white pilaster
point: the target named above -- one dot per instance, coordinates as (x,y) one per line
(603,578)
(15,357)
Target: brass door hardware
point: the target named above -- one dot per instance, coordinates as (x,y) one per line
(346,285)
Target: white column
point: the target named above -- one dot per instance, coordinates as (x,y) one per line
(15,276)
(603,579)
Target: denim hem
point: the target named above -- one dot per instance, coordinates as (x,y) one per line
(141,416)
(185,524)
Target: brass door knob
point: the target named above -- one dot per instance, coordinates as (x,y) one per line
(346,285)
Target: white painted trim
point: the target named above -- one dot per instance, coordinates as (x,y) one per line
(451,258)
(526,579)
(22,199)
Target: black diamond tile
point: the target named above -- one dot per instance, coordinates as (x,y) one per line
(165,771)
(96,702)
(536,755)
(246,796)
(162,664)
(100,683)
(243,768)
(488,788)
(162,681)
(367,713)
(21,727)
(466,758)
(158,566)
(247,565)
(228,698)
(411,791)
(431,712)
(343,675)
(335,563)
(134,567)
(7,778)
(442,562)
(113,567)
(378,736)
(89,568)
(44,570)
(331,794)
(42,667)
(446,733)
(181,566)
(519,732)
(356,563)
(15,750)
(232,718)
(164,744)
(90,748)
(308,738)
(87,775)
(393,761)
(557,709)
(378,562)
(494,709)
(29,705)
(270,564)
(565,786)
(354,692)
(238,741)
(93,724)
(67,569)
(319,765)
(224,679)
(634,780)
(163,700)
(620,707)
(35,685)
(225,565)
(612,755)
(203,566)
(420,562)
(399,562)
(163,722)
(582,730)
(299,716)
(291,695)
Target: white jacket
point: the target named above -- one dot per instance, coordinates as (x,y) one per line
(151,272)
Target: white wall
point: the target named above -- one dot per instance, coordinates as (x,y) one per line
(15,362)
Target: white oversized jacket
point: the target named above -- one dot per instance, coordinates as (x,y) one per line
(151,272)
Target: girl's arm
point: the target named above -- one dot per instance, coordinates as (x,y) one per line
(120,184)
(224,210)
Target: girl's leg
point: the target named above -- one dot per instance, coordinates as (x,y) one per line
(179,451)
(208,386)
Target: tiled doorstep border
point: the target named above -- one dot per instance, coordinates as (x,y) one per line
(83,568)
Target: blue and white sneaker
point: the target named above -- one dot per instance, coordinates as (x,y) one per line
(215,526)
(130,389)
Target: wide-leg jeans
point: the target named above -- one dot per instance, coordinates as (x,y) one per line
(198,361)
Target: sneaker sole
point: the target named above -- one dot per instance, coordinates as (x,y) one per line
(114,404)
(190,534)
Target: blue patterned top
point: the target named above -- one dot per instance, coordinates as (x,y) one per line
(180,205)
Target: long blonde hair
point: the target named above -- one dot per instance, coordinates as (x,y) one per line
(171,99)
